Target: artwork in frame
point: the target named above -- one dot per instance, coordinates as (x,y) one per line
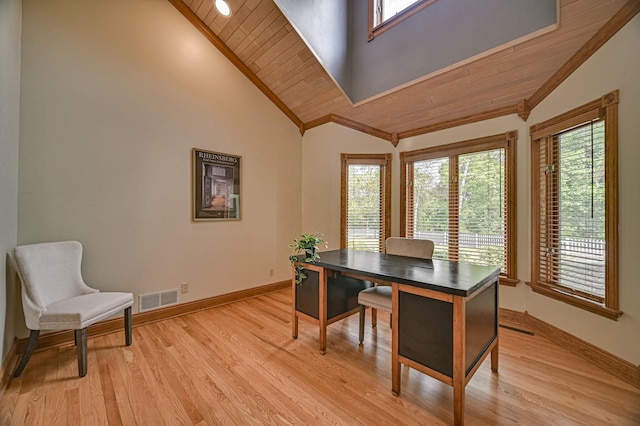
(216,185)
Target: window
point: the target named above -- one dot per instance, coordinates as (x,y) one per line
(574,209)
(365,219)
(462,197)
(385,14)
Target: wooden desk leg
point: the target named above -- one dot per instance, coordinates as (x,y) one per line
(322,311)
(458,359)
(494,351)
(294,326)
(494,356)
(294,316)
(361,316)
(395,364)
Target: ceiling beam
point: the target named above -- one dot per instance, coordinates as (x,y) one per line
(333,118)
(455,122)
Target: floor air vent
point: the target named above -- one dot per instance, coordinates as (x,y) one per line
(150,301)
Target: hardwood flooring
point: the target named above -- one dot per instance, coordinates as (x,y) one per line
(237,364)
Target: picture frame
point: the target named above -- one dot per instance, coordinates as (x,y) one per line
(215,185)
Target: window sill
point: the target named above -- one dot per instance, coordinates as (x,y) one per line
(587,305)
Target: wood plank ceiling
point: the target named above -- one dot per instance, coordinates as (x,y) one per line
(260,41)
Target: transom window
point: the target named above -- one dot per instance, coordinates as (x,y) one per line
(574,190)
(385,14)
(387,9)
(462,197)
(365,201)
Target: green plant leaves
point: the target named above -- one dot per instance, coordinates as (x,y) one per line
(306,246)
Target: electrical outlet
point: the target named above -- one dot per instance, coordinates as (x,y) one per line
(184,288)
(271,272)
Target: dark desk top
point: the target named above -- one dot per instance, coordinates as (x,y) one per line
(461,279)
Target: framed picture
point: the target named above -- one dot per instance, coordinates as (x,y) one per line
(216,185)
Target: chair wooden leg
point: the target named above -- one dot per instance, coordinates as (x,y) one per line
(374,317)
(361,329)
(127,326)
(31,345)
(81,338)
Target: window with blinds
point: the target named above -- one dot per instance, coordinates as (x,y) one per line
(365,201)
(574,190)
(430,204)
(462,197)
(482,208)
(572,249)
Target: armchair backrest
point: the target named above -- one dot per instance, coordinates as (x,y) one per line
(409,247)
(49,272)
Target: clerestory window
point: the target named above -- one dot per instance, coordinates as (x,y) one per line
(385,14)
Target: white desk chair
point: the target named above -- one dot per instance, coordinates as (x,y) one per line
(55,297)
(379,297)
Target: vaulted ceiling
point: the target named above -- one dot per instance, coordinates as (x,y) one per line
(259,40)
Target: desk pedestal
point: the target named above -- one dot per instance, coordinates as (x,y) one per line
(324,298)
(444,336)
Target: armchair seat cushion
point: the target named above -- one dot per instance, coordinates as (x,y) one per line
(81,311)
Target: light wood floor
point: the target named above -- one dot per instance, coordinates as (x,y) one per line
(238,364)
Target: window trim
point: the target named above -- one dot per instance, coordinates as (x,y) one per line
(503,140)
(383,160)
(606,107)
(376,30)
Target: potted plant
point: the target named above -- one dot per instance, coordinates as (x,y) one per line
(305,249)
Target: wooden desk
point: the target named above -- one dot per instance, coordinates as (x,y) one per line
(445,313)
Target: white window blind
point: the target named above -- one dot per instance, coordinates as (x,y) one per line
(463,212)
(572,212)
(482,208)
(430,199)
(365,222)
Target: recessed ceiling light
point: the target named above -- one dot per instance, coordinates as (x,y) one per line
(223,7)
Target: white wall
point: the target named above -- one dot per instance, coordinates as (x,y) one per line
(10,27)
(114,97)
(614,66)
(321,151)
(602,73)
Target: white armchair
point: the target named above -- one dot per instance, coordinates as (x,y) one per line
(55,297)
